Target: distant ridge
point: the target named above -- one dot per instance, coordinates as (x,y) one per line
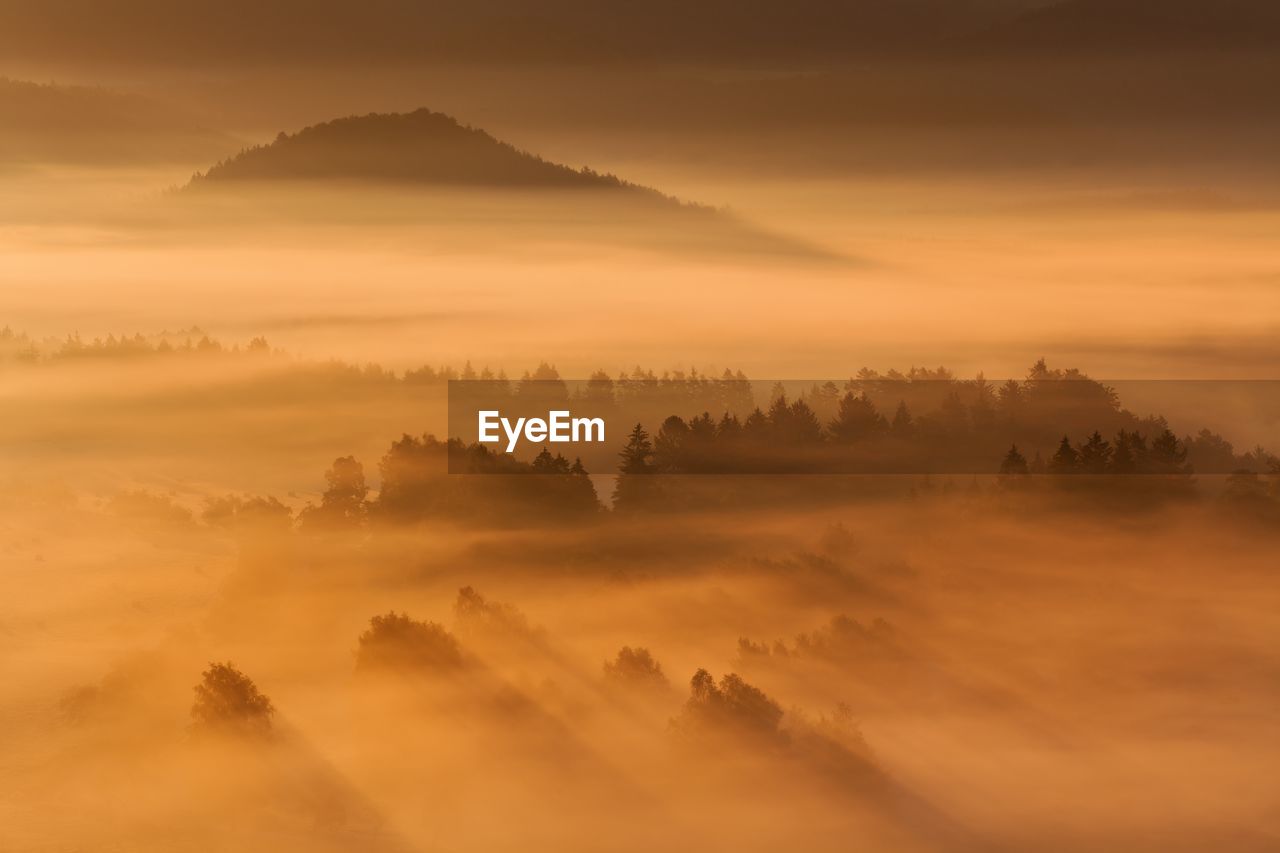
(408,149)
(49,122)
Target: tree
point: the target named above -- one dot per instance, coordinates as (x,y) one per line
(343,502)
(599,390)
(545,463)
(1095,454)
(1009,400)
(1066,460)
(1167,455)
(902,425)
(228,702)
(857,419)
(634,488)
(982,412)
(953,416)
(1210,452)
(395,641)
(247,514)
(802,426)
(731,708)
(637,453)
(729,430)
(669,448)
(756,426)
(1014,464)
(635,668)
(1122,461)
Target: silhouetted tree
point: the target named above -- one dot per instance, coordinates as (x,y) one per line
(395,641)
(669,446)
(1066,460)
(902,426)
(733,708)
(1123,457)
(1014,464)
(857,419)
(797,425)
(1095,455)
(247,514)
(475,614)
(1167,455)
(635,668)
(634,489)
(228,702)
(343,503)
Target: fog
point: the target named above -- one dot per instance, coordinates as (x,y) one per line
(988,275)
(247,601)
(1029,659)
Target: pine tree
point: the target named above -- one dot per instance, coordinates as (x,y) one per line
(545,463)
(1066,460)
(637,453)
(1167,455)
(982,412)
(902,426)
(1122,458)
(635,488)
(728,430)
(1095,454)
(856,419)
(1014,464)
(756,426)
(1010,399)
(801,426)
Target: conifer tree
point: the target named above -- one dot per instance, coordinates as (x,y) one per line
(637,454)
(856,419)
(1167,455)
(1066,460)
(902,426)
(1014,464)
(1095,454)
(634,488)
(1123,460)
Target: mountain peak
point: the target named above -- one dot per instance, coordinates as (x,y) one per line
(415,149)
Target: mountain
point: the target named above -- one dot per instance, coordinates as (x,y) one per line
(421,148)
(426,172)
(1122,26)
(82,124)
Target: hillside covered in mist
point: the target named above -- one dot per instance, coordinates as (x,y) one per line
(418,148)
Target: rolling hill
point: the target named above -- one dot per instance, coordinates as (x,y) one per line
(423,175)
(421,148)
